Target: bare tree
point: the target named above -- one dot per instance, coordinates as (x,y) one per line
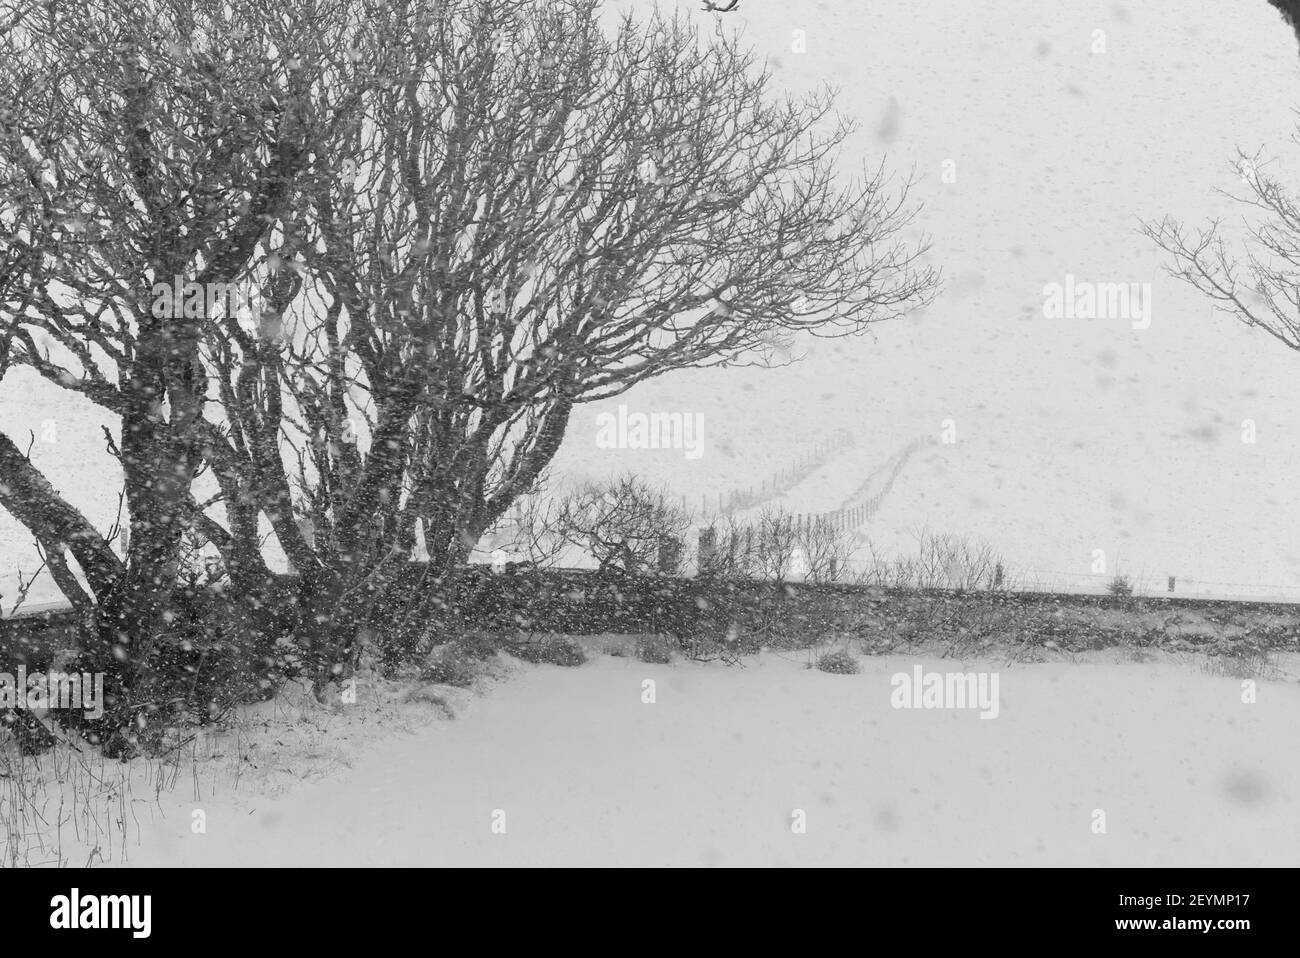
(140,143)
(827,548)
(1258,286)
(539,215)
(941,561)
(622,524)
(457,222)
(533,527)
(776,541)
(638,206)
(777,545)
(736,546)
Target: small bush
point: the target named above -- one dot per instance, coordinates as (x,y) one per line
(32,736)
(654,649)
(744,641)
(702,648)
(1120,585)
(216,654)
(563,651)
(450,665)
(839,662)
(478,644)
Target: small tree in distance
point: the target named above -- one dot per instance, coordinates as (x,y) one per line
(1120,586)
(622,524)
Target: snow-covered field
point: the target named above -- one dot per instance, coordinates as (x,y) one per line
(571,767)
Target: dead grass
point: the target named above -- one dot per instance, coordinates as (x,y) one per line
(72,807)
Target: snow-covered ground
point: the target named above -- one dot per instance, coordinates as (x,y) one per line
(579,770)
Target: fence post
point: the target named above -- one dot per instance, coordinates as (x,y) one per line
(707,552)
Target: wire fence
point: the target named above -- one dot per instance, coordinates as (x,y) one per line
(1031,580)
(1050,581)
(778,483)
(858,508)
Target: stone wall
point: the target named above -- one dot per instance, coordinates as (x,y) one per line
(754,613)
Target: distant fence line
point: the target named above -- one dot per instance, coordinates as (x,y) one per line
(866,508)
(1055,582)
(855,510)
(780,482)
(1035,580)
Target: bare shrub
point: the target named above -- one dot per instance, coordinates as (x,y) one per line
(941,561)
(838,662)
(826,547)
(654,649)
(623,524)
(559,650)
